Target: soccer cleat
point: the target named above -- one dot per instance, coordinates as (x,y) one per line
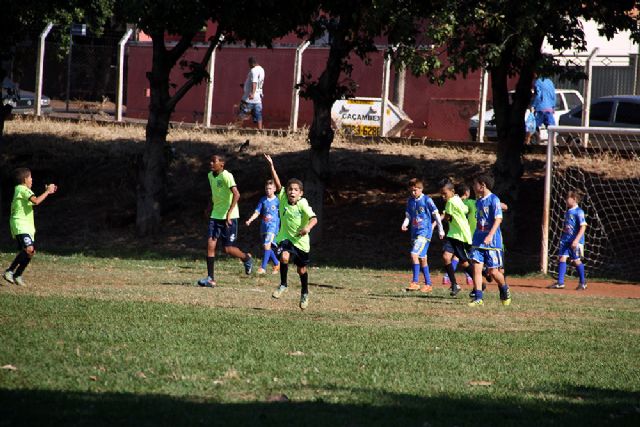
(472,294)
(413,286)
(454,290)
(476,303)
(446,281)
(207,282)
(426,289)
(8,276)
(556,286)
(276,269)
(261,271)
(506,302)
(248,264)
(278,292)
(18,281)
(304,301)
(581,287)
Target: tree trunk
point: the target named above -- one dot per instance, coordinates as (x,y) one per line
(320,137)
(152,169)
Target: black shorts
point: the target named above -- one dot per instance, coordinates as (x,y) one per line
(219,230)
(296,255)
(24,241)
(456,247)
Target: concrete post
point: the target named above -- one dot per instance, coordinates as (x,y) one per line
(40,67)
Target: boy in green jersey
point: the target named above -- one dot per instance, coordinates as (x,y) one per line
(296,221)
(458,241)
(22,225)
(223,219)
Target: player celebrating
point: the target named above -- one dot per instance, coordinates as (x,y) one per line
(297,219)
(22,225)
(421,213)
(458,241)
(464,192)
(487,240)
(267,208)
(223,221)
(572,242)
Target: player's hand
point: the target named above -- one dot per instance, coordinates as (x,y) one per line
(574,244)
(404,228)
(229,220)
(441,236)
(487,240)
(247,222)
(304,231)
(51,188)
(269,159)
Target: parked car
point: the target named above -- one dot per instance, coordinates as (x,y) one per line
(22,101)
(621,111)
(566,99)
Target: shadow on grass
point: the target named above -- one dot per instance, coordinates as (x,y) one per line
(578,406)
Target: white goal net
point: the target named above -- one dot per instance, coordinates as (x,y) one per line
(603,165)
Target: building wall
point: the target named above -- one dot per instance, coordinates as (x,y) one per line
(440,112)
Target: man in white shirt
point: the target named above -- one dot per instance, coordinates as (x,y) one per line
(252,97)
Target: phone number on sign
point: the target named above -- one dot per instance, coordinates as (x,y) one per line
(362,130)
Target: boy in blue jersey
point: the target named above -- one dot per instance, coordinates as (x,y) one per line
(422,214)
(267,208)
(487,240)
(572,242)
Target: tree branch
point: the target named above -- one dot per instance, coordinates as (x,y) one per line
(179,49)
(199,74)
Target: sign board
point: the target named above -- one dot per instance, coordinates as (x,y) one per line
(78,29)
(361,117)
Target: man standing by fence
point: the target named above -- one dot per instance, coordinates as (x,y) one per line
(544,103)
(251,102)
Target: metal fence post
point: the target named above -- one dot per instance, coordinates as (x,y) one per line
(40,67)
(386,76)
(482,108)
(586,110)
(546,209)
(119,90)
(208,101)
(295,94)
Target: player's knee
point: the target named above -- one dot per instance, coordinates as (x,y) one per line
(285,257)
(302,270)
(267,246)
(30,250)
(447,256)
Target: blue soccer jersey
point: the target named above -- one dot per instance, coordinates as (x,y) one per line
(268,210)
(573,220)
(488,210)
(420,212)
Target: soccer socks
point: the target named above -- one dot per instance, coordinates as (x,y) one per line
(266,258)
(562,270)
(210,266)
(273,257)
(23,264)
(416,273)
(427,276)
(304,282)
(451,273)
(454,263)
(580,269)
(19,259)
(284,270)
(504,291)
(478,295)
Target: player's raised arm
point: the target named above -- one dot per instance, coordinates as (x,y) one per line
(274,174)
(48,189)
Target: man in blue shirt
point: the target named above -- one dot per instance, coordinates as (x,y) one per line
(544,102)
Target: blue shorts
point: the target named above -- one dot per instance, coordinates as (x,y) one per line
(251,107)
(268,238)
(567,250)
(491,258)
(24,241)
(419,246)
(220,231)
(545,118)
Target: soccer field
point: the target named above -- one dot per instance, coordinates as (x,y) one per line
(108,341)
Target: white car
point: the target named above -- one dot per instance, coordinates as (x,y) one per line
(566,99)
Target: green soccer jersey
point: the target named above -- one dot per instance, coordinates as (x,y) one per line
(458,224)
(294,218)
(221,195)
(21,221)
(471,215)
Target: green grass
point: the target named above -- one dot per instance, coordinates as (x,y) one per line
(105,341)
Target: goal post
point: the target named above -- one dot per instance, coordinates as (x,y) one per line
(603,165)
